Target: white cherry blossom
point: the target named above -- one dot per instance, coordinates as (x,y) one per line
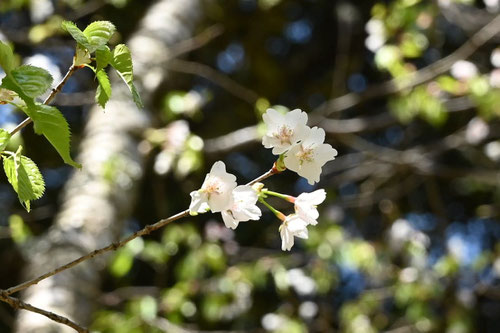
(293,226)
(308,157)
(284,130)
(215,193)
(306,203)
(243,208)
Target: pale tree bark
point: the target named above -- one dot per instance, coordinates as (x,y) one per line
(98,198)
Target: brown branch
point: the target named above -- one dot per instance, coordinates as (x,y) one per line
(18,304)
(114,246)
(53,93)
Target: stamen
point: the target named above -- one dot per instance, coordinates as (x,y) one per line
(284,134)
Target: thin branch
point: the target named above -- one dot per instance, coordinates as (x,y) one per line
(114,246)
(53,93)
(268,174)
(18,304)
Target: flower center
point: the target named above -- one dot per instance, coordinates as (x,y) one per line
(305,154)
(213,186)
(284,134)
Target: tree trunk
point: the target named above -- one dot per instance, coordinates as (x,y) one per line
(98,198)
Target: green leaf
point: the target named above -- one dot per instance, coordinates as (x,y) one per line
(50,122)
(103,92)
(4,139)
(103,57)
(33,81)
(122,62)
(6,58)
(98,33)
(25,178)
(77,34)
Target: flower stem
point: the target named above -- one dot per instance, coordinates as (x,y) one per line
(276,212)
(288,198)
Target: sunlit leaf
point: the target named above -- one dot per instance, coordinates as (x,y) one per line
(76,33)
(102,57)
(6,58)
(98,33)
(103,92)
(25,178)
(4,138)
(33,81)
(122,62)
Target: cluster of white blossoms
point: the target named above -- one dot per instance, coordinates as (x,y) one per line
(301,149)
(220,193)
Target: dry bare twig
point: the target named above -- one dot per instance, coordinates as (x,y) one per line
(18,304)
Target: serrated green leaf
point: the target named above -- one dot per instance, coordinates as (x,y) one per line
(33,81)
(77,34)
(6,58)
(98,33)
(25,178)
(122,62)
(50,122)
(4,139)
(103,92)
(102,57)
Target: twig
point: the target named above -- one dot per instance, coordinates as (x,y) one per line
(224,81)
(423,75)
(18,304)
(114,246)
(53,93)
(268,174)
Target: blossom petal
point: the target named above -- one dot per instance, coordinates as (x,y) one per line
(310,172)
(324,153)
(198,202)
(229,220)
(286,239)
(296,117)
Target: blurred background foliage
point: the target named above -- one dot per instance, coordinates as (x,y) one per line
(408,238)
